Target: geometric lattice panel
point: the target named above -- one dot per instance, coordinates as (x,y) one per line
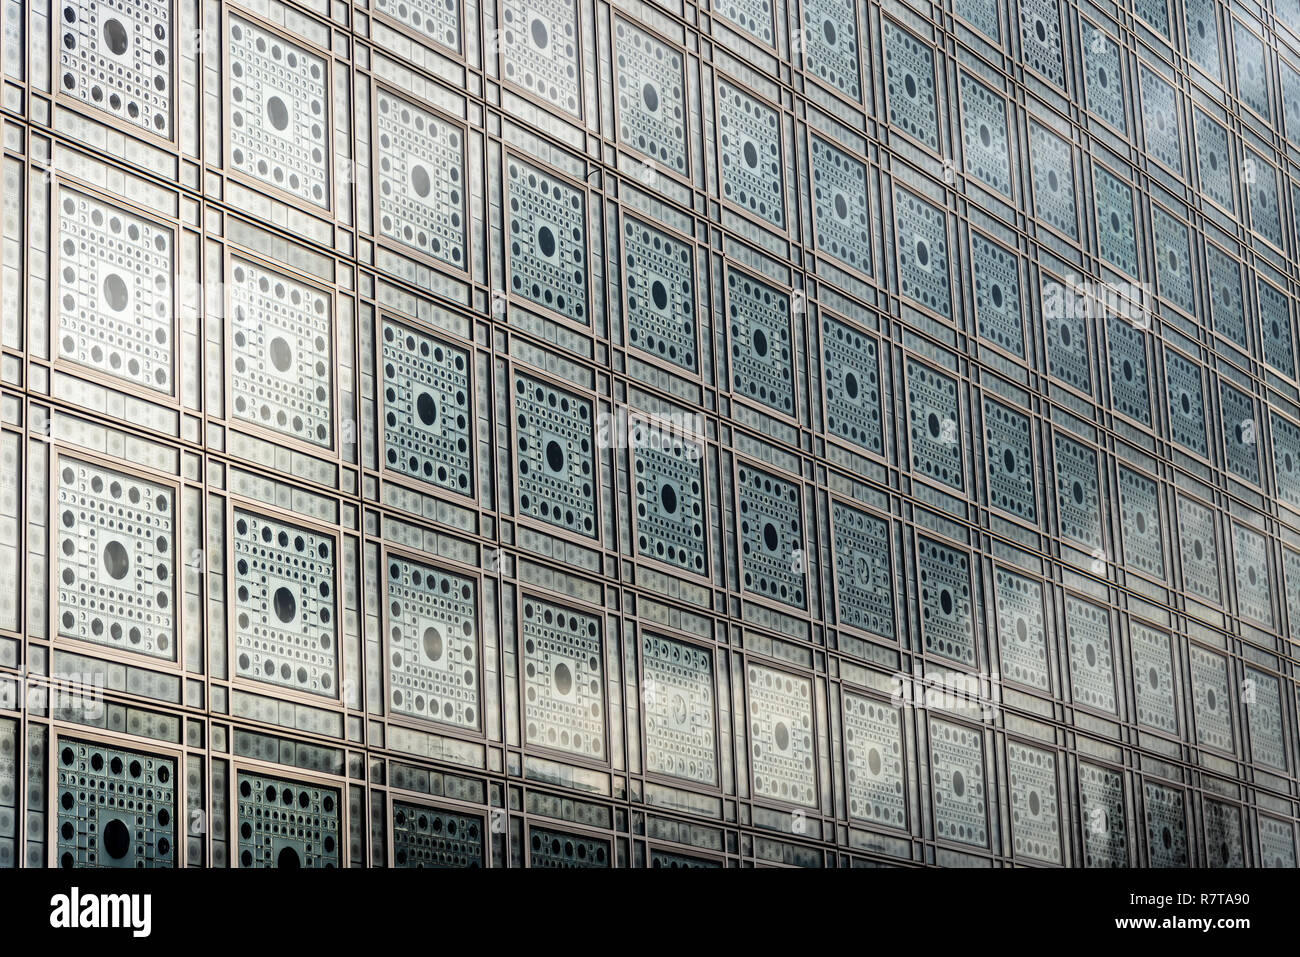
(1223,838)
(659,279)
(669,488)
(1101,807)
(749,144)
(1277,331)
(934,425)
(439,20)
(1040,38)
(1262,200)
(957,783)
(851,378)
(279,113)
(873,759)
(1211,704)
(762,354)
(1066,327)
(555,463)
(116,559)
(1101,67)
(282,368)
(1203,35)
(421,180)
(564,685)
(1166,826)
(841,212)
(1225,295)
(922,249)
(1214,165)
(546,224)
(1250,562)
(1035,803)
(1022,637)
(863,574)
(1077,492)
(287,824)
(539,49)
(947,619)
(651,97)
(1154,12)
(1141,523)
(678,703)
(1053,176)
(427,415)
(431,837)
(1173,259)
(995,273)
(1186,402)
(1286,459)
(117,56)
(1114,206)
(983,15)
(909,79)
(1009,459)
(1291,573)
(771,536)
(1092,667)
(781,736)
(985,147)
(667,859)
(433,644)
(1199,548)
(1153,679)
(752,16)
(557,849)
(285,633)
(830,41)
(116,807)
(1263,702)
(1276,842)
(115,292)
(1160,119)
(1130,386)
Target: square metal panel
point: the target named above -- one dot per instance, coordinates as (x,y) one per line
(1223,838)
(116,807)
(830,44)
(1142,528)
(549,848)
(280,128)
(986,149)
(1078,493)
(1130,381)
(1291,582)
(1066,332)
(983,16)
(678,700)
(1101,806)
(957,783)
(752,16)
(762,350)
(1103,76)
(1263,700)
(1040,39)
(1035,803)
(1250,564)
(285,628)
(781,735)
(281,353)
(864,581)
(841,209)
(1173,259)
(438,20)
(1154,12)
(934,425)
(117,57)
(1166,825)
(1022,635)
(1113,199)
(1201,19)
(1052,168)
(1009,460)
(547,235)
(873,761)
(946,601)
(771,536)
(115,300)
(1277,329)
(287,824)
(1286,459)
(1276,842)
(555,464)
(1240,427)
(433,653)
(432,837)
(428,421)
(1211,702)
(659,283)
(1290,92)
(564,679)
(851,382)
(1186,402)
(922,248)
(1092,662)
(1160,120)
(668,485)
(1214,161)
(1259,177)
(116,536)
(1153,679)
(1197,544)
(910,85)
(995,272)
(1225,295)
(749,149)
(538,42)
(421,180)
(652,111)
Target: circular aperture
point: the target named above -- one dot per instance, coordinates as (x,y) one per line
(278,113)
(116,561)
(117,839)
(286,606)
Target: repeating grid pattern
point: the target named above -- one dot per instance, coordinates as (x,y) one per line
(117,56)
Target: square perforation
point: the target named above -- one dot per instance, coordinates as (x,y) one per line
(1022,634)
(841,211)
(762,351)
(651,94)
(781,736)
(117,56)
(752,16)
(659,282)
(934,425)
(749,147)
(555,455)
(873,760)
(669,487)
(771,536)
(851,371)
(540,51)
(1092,664)
(678,701)
(957,783)
(287,824)
(564,679)
(864,584)
(116,807)
(546,221)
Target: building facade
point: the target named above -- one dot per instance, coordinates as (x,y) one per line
(649,433)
